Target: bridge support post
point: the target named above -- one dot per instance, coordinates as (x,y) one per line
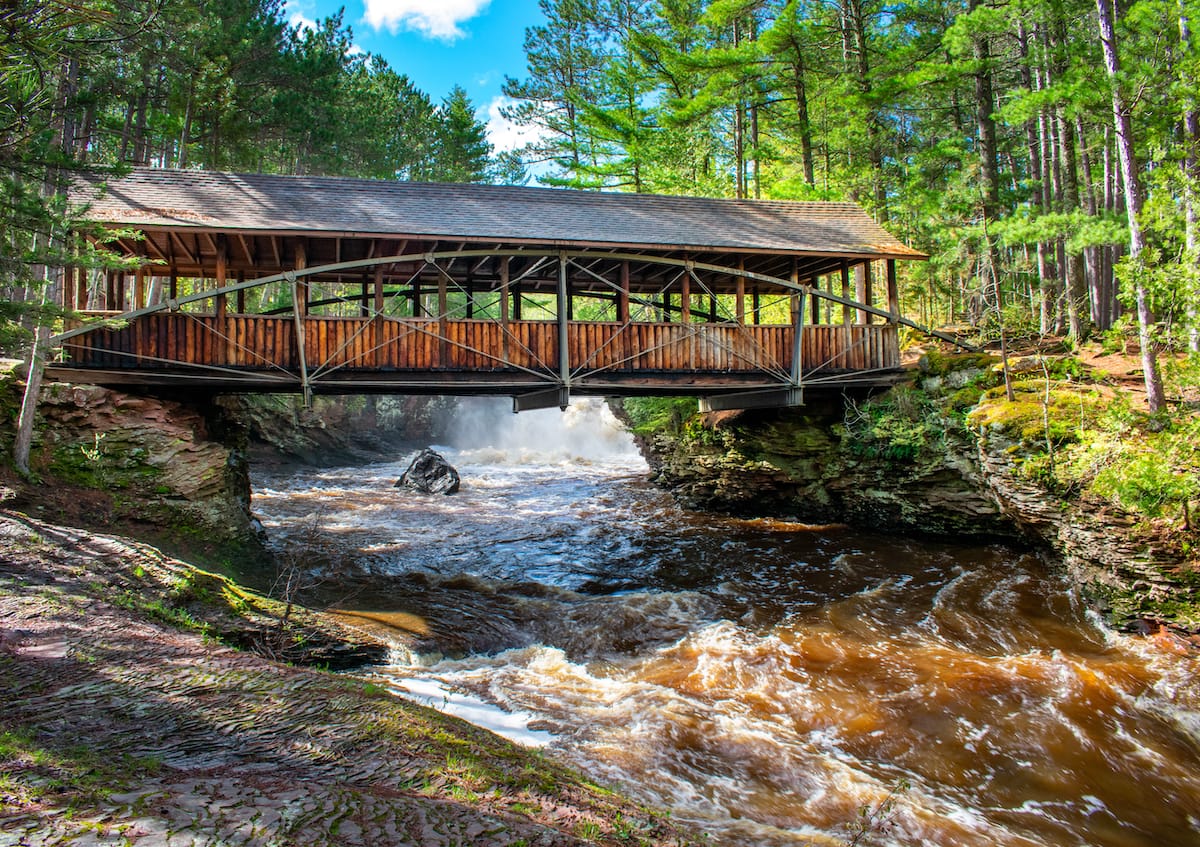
(222,342)
(797,370)
(564,351)
(298,318)
(847,318)
(740,296)
(893,292)
(504,330)
(862,290)
(377,318)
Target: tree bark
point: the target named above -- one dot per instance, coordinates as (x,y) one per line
(1123,128)
(33,388)
(1191,176)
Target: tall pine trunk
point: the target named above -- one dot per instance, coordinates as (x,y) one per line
(1123,128)
(1191,176)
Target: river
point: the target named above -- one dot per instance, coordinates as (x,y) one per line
(766,680)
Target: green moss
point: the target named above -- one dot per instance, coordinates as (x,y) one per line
(1037,417)
(94,465)
(963,400)
(937,363)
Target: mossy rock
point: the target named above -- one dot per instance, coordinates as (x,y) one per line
(938,363)
(1035,415)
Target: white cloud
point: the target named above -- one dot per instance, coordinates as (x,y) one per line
(503,133)
(296,17)
(434,18)
(299,21)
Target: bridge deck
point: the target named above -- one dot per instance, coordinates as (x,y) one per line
(346,354)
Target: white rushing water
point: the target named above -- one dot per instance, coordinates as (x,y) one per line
(762,678)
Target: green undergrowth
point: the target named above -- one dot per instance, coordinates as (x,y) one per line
(1085,441)
(648,416)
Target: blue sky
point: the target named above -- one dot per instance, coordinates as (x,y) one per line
(440,44)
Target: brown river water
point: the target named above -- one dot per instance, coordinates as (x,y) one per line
(763,679)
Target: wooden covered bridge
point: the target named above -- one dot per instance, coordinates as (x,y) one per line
(253,283)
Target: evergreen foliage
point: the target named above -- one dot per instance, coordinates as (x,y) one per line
(105,84)
(980,132)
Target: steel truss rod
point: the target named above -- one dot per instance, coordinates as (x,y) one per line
(174,304)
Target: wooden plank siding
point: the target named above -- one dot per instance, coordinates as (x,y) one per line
(259,342)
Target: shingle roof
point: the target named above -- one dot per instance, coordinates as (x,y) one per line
(154,198)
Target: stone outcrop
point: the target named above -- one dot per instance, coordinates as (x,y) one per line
(807,464)
(1130,568)
(912,461)
(430,473)
(123,457)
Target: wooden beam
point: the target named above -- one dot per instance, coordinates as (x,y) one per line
(68,289)
(222,305)
(148,241)
(846,310)
(443,306)
(187,254)
(504,330)
(862,290)
(685,297)
(81,289)
(301,282)
(251,257)
(893,291)
(740,296)
(623,294)
(139,288)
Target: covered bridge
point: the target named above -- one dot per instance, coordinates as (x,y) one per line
(316,284)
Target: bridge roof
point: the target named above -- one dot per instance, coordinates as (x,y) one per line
(340,207)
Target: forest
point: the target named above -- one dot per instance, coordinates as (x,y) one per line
(1045,154)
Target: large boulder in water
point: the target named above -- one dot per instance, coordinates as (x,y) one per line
(430,473)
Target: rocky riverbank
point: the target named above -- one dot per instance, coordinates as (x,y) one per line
(176,470)
(128,720)
(945,453)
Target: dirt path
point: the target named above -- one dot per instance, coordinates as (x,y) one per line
(119,729)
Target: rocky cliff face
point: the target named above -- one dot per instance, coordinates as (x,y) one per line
(805,464)
(111,456)
(913,460)
(1129,567)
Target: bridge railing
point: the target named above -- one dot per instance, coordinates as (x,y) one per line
(260,342)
